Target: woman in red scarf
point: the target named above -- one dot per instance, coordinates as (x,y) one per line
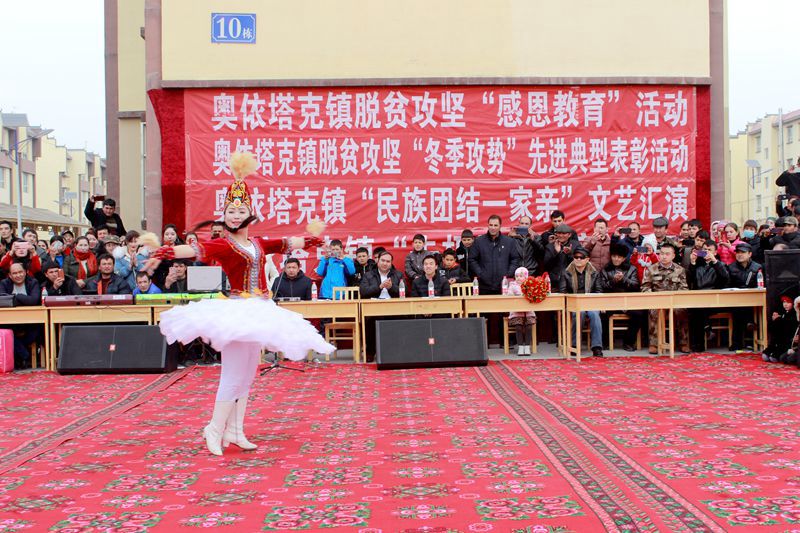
(237,327)
(82,263)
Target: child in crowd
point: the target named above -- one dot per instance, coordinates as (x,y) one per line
(415,258)
(334,269)
(451,270)
(523,321)
(462,252)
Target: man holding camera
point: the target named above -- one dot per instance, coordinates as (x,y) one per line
(104,216)
(57,283)
(790,179)
(529,247)
(599,245)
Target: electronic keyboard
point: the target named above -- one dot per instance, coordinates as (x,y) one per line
(88,299)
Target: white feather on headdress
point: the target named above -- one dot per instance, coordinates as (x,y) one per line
(243,164)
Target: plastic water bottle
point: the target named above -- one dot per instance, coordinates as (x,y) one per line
(402,289)
(475,287)
(546,276)
(431,289)
(314,294)
(44,294)
(760,280)
(505,286)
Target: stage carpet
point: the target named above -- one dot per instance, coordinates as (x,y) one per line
(698,443)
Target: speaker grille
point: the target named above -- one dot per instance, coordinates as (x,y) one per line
(431,342)
(114,349)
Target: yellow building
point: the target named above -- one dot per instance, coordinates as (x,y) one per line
(162,47)
(758,155)
(50,177)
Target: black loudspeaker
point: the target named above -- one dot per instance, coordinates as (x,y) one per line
(431,342)
(781,272)
(115,350)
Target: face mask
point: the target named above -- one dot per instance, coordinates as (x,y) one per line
(748,234)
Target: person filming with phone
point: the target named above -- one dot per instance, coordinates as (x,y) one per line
(529,246)
(105,215)
(790,180)
(599,245)
(706,272)
(57,283)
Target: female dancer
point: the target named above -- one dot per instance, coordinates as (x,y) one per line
(238,327)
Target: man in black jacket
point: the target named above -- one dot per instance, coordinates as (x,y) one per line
(430,275)
(789,234)
(558,254)
(105,216)
(494,257)
(363,263)
(292,283)
(384,281)
(705,272)
(743,274)
(26,292)
(790,179)
(529,245)
(106,282)
(58,284)
(619,276)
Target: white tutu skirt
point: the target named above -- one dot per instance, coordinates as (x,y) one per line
(254,320)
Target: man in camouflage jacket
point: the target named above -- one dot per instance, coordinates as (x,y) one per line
(666,275)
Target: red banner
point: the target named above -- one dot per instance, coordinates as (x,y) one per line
(379,165)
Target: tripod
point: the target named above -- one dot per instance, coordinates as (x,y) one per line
(276,363)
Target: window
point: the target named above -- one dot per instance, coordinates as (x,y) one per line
(758,143)
(5,175)
(758,203)
(789,134)
(25,182)
(766,154)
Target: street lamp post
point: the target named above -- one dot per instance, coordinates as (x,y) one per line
(16,147)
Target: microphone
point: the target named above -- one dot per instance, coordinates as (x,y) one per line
(280,277)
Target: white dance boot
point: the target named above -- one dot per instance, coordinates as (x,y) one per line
(234,429)
(214,430)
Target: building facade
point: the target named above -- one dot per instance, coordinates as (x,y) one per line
(54,179)
(758,155)
(160,52)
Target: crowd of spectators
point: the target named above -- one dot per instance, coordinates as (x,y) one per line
(108,260)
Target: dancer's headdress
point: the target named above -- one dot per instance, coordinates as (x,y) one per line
(242,165)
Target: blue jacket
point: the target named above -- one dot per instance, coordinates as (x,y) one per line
(335,273)
(152,290)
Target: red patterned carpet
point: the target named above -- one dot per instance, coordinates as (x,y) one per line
(699,443)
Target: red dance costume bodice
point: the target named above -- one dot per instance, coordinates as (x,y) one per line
(245,272)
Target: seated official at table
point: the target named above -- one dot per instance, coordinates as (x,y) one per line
(106,282)
(742,274)
(57,283)
(292,283)
(430,276)
(384,281)
(26,292)
(620,276)
(145,285)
